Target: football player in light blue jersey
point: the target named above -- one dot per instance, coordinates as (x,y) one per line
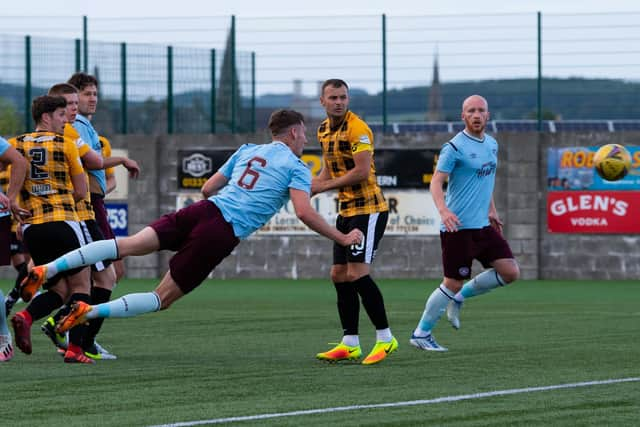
(471,228)
(254,183)
(261,177)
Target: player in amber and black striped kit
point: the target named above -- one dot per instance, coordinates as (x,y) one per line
(347,151)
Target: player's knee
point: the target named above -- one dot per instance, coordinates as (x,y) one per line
(510,273)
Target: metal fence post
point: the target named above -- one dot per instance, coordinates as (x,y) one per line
(85,37)
(213,91)
(27,84)
(539,72)
(384,73)
(123,81)
(78,55)
(169,89)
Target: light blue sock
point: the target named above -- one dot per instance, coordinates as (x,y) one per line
(86,255)
(129,305)
(4,329)
(435,307)
(481,284)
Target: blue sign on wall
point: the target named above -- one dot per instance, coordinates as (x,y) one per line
(118,214)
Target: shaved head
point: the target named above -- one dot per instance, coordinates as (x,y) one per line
(474,99)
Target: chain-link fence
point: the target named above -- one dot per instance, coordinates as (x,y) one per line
(173,73)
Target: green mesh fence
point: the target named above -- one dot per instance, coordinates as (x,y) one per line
(401,69)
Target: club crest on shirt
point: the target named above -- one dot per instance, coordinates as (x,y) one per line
(364,139)
(464,271)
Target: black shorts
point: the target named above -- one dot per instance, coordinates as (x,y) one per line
(372,225)
(51,240)
(5,240)
(202,238)
(460,248)
(92,233)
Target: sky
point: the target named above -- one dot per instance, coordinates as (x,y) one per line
(306,41)
(255,8)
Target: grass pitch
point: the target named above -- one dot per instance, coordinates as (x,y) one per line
(242,348)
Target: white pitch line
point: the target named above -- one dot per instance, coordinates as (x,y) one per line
(398,404)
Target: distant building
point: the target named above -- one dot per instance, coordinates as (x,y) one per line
(434,109)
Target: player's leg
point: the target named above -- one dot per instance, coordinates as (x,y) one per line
(79,288)
(360,258)
(47,241)
(457,256)
(495,254)
(204,239)
(102,287)
(21,264)
(348,304)
(142,243)
(6,349)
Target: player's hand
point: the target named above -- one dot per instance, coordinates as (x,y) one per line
(5,204)
(18,213)
(450,220)
(132,167)
(495,222)
(354,237)
(317,186)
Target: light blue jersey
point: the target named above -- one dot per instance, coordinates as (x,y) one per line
(90,136)
(260,177)
(4,146)
(471,164)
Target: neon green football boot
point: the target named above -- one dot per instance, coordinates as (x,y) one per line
(341,352)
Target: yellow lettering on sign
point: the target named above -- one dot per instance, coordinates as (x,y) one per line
(579,159)
(193,182)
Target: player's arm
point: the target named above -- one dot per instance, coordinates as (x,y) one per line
(90,159)
(213,184)
(449,219)
(359,173)
(130,164)
(313,220)
(494,218)
(111,182)
(76,171)
(318,181)
(18,171)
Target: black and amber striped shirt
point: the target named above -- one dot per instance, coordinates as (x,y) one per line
(84,208)
(47,191)
(338,147)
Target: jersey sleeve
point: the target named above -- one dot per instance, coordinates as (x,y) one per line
(106,152)
(4,145)
(300,177)
(73,158)
(227,168)
(447,158)
(360,137)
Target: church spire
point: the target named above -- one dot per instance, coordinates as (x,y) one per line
(434,110)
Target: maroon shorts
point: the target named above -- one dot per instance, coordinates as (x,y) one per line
(461,247)
(202,239)
(5,240)
(97,202)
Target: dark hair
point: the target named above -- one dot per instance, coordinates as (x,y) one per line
(60,89)
(281,120)
(82,80)
(337,83)
(46,104)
